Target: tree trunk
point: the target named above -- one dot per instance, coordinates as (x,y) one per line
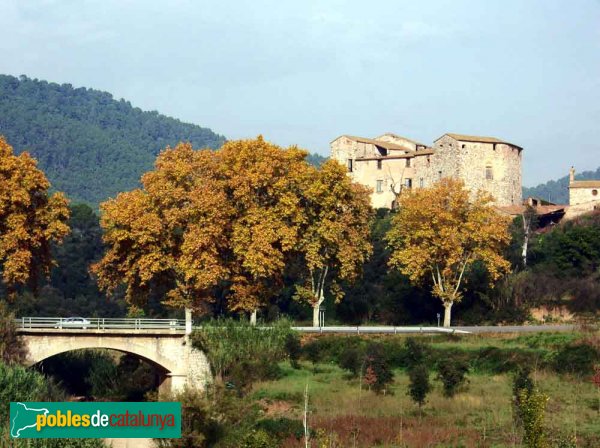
(253,317)
(316,314)
(524,252)
(447,313)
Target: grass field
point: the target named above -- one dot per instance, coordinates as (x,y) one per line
(481,415)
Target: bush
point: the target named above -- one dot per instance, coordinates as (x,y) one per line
(258,438)
(378,374)
(282,427)
(415,354)
(240,353)
(20,384)
(353,360)
(451,372)
(419,385)
(578,359)
(293,349)
(12,349)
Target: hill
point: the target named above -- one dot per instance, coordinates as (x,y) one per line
(90,145)
(557,191)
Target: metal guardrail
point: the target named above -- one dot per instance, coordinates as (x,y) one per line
(39,323)
(380,330)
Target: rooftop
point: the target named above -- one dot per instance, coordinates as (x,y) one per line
(585,184)
(382,144)
(477,139)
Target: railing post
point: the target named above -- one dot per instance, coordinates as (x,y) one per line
(188,321)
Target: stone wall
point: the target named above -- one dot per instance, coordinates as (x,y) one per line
(582,195)
(468,161)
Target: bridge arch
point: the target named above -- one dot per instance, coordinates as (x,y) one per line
(183,365)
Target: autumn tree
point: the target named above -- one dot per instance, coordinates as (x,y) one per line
(206,219)
(31,219)
(334,241)
(263,184)
(439,233)
(171,232)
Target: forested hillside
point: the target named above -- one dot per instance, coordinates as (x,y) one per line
(90,145)
(557,191)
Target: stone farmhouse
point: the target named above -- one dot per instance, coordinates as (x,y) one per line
(390,164)
(584,196)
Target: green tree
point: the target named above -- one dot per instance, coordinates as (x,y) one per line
(419,385)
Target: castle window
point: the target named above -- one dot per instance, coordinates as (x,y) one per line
(489,173)
(464,146)
(350,165)
(440,174)
(421,183)
(379,188)
(407,163)
(408,183)
(428,161)
(379,164)
(594,192)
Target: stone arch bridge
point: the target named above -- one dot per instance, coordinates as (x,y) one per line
(164,343)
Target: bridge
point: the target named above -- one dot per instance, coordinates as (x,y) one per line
(163,343)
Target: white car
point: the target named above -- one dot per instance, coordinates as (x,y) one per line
(73,322)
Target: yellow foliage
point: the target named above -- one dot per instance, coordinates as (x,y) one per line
(438,233)
(30,219)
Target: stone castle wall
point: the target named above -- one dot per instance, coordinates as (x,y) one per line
(472,162)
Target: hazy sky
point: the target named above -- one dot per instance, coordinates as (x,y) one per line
(305,72)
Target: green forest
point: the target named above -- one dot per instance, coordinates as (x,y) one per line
(90,145)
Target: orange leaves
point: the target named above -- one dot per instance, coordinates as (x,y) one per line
(172,231)
(438,233)
(29,219)
(334,240)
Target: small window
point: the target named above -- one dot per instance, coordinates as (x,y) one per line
(350,165)
(421,183)
(489,173)
(428,161)
(408,183)
(440,174)
(594,192)
(379,164)
(379,186)
(407,163)
(464,146)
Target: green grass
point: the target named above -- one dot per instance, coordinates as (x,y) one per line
(479,416)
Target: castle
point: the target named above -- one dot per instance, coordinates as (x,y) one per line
(390,164)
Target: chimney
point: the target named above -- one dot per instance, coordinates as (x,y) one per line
(572,175)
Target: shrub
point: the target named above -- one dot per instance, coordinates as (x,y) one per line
(451,372)
(12,349)
(419,385)
(293,349)
(20,384)
(532,406)
(377,368)
(415,354)
(578,359)
(241,353)
(258,438)
(353,360)
(282,427)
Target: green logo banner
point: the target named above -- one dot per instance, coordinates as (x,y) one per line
(160,420)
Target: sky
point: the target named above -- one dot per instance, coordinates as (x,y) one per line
(305,72)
